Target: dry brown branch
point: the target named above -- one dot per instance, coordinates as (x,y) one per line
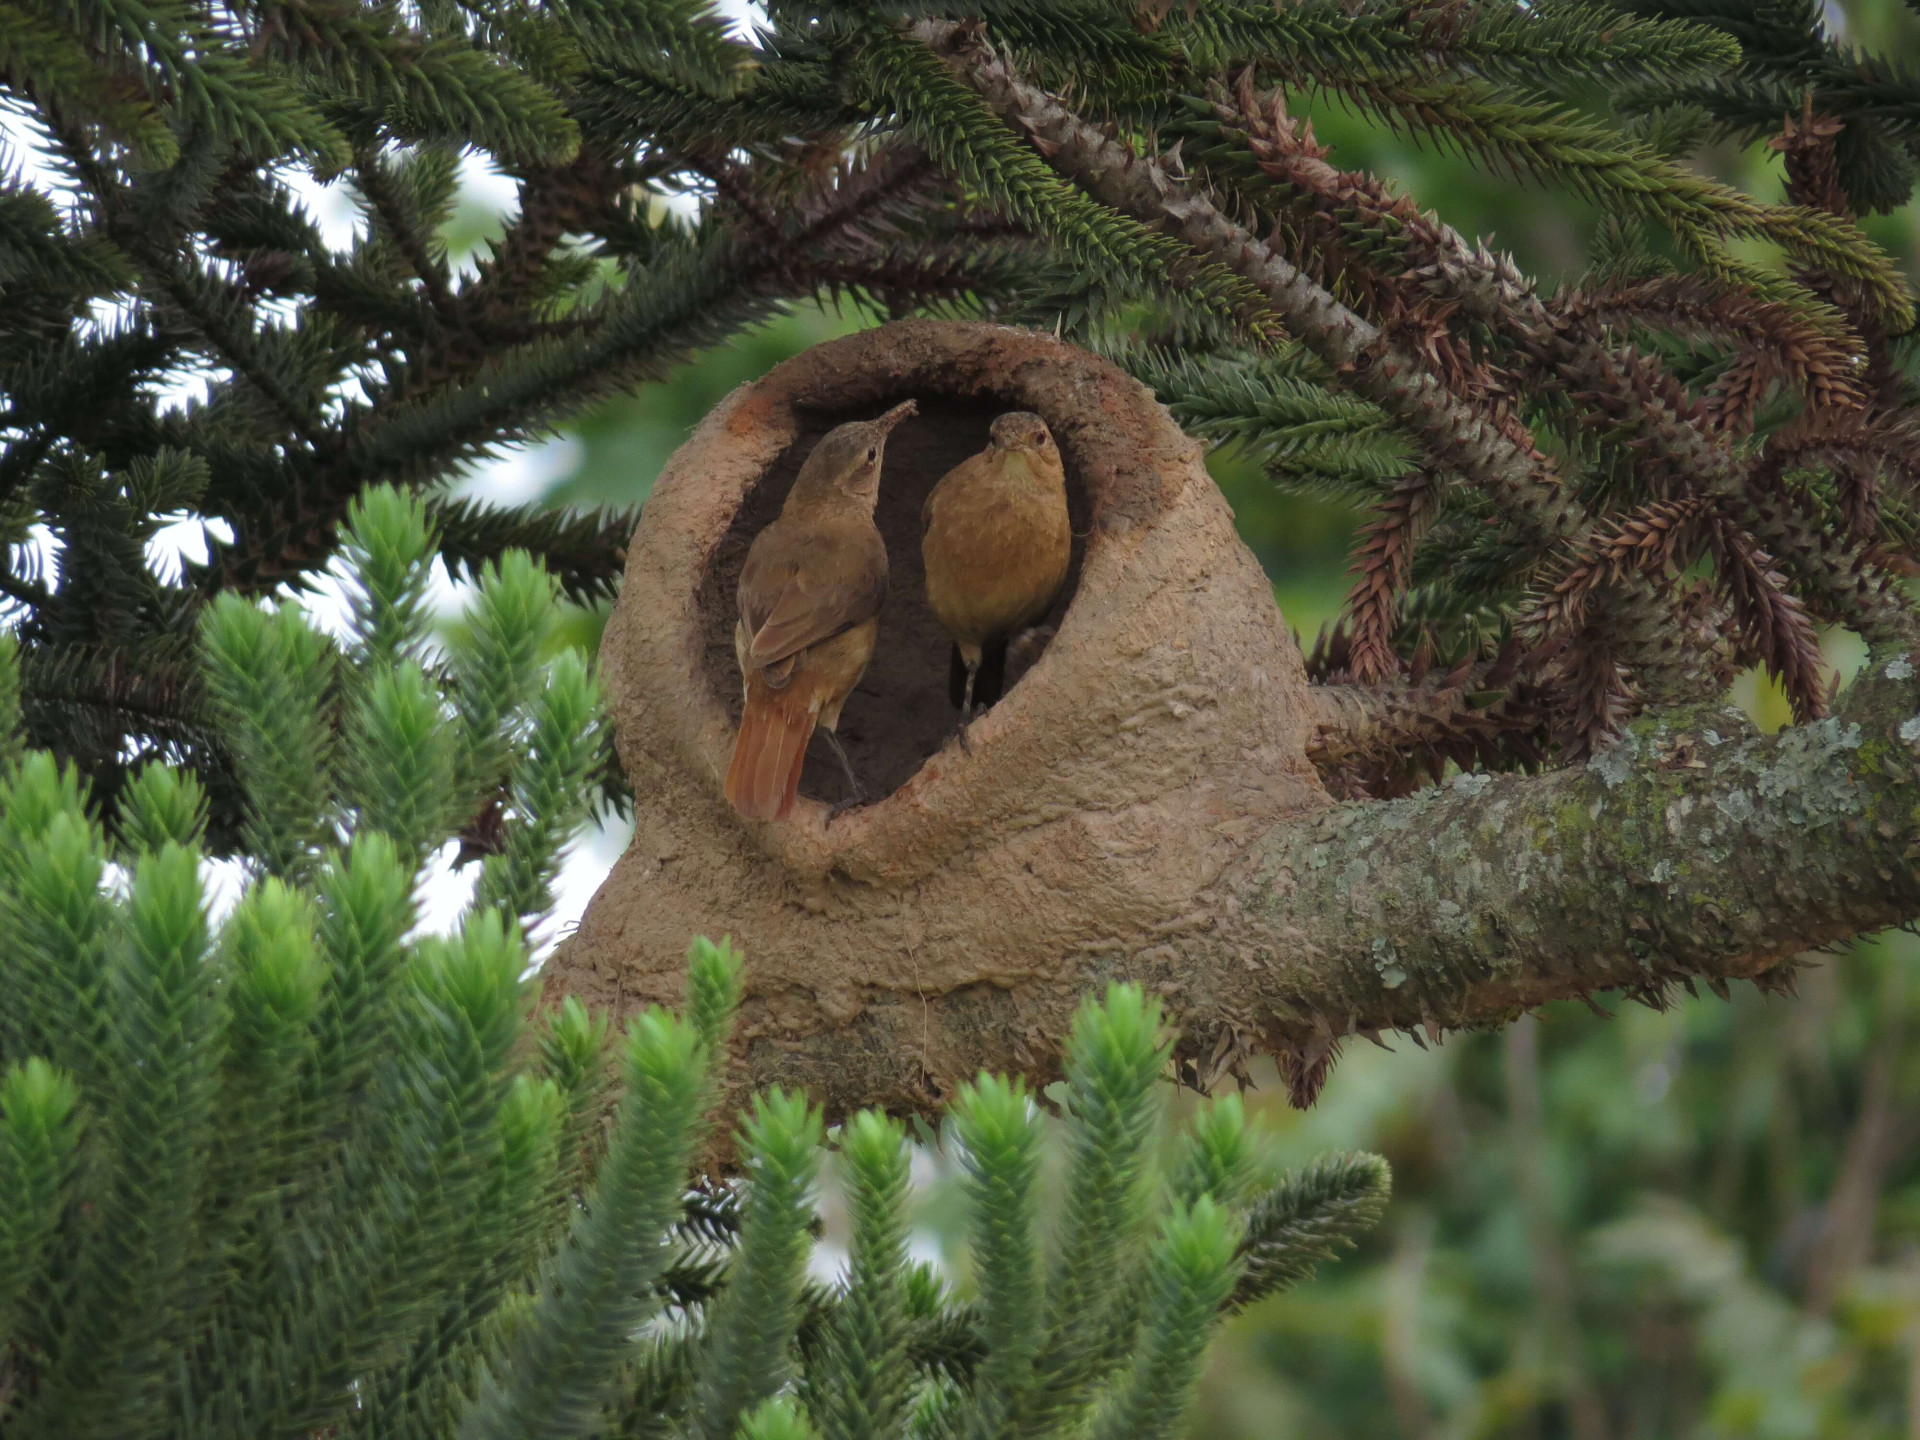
(1813,179)
(1395,379)
(1417,306)
(1735,397)
(1620,389)
(1645,541)
(1773,339)
(1380,557)
(1774,623)
(1382,741)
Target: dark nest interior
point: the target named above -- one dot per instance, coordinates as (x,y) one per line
(900,714)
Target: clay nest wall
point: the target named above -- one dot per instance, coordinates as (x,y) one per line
(1161,729)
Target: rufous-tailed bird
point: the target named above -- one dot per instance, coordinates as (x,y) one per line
(996,548)
(810,597)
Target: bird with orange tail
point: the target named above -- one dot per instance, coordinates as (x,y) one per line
(996,548)
(810,598)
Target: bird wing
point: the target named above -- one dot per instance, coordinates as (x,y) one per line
(809,589)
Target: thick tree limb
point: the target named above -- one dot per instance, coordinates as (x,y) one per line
(1667,859)
(1688,849)
(1140,805)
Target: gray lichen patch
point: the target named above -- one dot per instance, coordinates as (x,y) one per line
(1386,963)
(1736,804)
(1615,764)
(1810,779)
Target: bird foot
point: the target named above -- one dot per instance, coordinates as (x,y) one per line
(960,734)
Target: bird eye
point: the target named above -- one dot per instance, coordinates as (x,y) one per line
(873,453)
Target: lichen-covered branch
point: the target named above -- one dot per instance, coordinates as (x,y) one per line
(1691,848)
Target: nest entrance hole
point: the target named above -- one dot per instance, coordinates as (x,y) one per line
(900,714)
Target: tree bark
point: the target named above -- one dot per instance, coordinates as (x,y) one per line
(1140,805)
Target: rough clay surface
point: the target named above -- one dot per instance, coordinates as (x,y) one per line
(1161,731)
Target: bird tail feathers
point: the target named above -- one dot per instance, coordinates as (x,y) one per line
(769,752)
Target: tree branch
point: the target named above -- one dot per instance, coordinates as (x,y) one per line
(1374,367)
(1685,850)
(1688,851)
(667,311)
(1141,806)
(374,183)
(1487,447)
(1570,345)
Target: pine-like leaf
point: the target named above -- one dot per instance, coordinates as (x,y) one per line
(564,1353)
(118,1340)
(1189,1277)
(39,1146)
(1307,1219)
(858,1387)
(751,1330)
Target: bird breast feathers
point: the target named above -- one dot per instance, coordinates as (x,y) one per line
(994,506)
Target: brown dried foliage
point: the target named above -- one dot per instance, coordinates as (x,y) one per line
(1318,202)
(1734,399)
(1813,171)
(1807,146)
(1380,560)
(1771,339)
(1304,1068)
(1774,624)
(1385,740)
(1593,694)
(1614,622)
(1647,541)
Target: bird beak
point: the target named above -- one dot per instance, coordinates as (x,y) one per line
(894,416)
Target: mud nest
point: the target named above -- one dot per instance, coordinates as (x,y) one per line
(1086,830)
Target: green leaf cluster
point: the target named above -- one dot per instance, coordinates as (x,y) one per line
(303,1169)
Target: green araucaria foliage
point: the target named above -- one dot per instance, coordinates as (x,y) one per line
(307,1172)
(1583,502)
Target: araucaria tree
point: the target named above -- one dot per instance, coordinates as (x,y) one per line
(1591,507)
(308,1173)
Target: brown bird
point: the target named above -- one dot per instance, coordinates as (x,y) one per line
(810,598)
(996,548)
